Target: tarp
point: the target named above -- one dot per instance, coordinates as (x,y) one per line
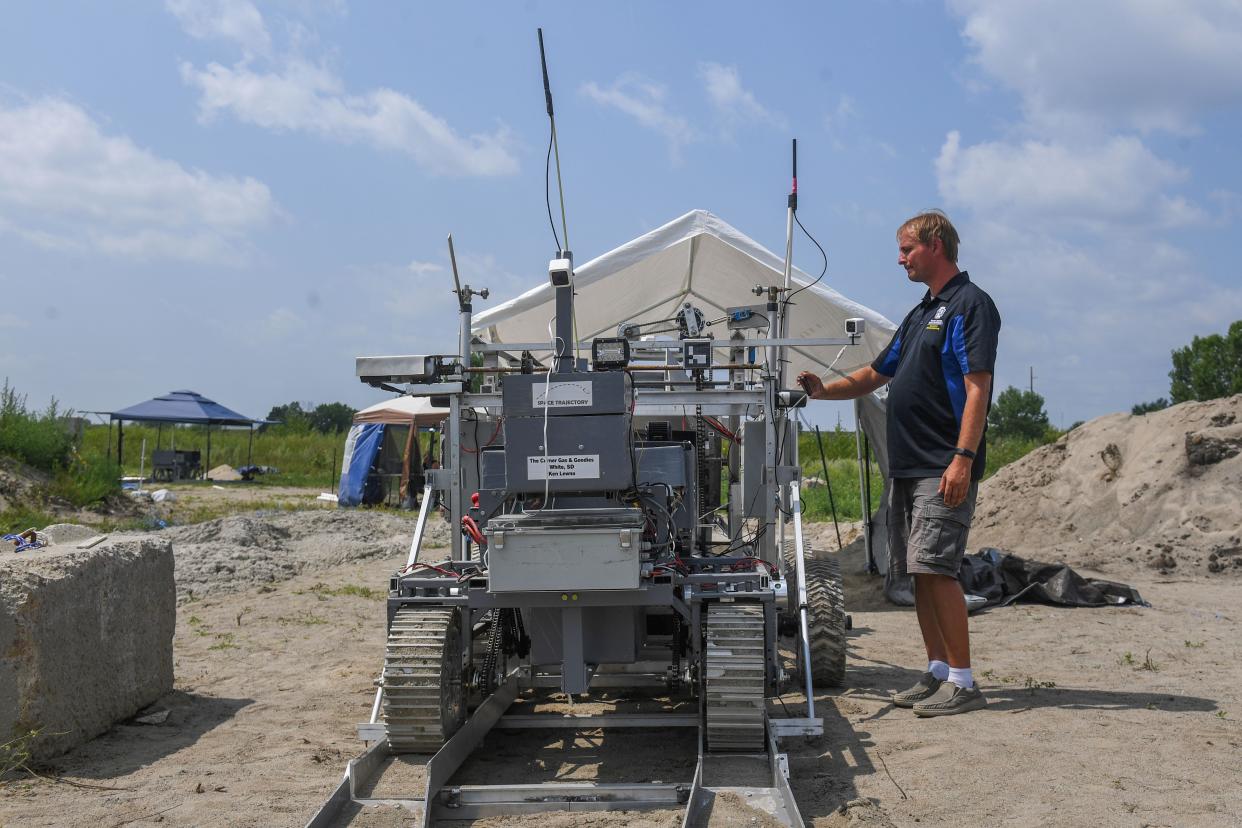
(182,407)
(403,411)
(361,445)
(701,259)
(1003,578)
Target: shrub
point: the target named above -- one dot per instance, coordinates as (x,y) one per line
(39,440)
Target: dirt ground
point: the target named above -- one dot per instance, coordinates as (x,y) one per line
(1096,717)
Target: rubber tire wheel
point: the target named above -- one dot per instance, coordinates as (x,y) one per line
(825,598)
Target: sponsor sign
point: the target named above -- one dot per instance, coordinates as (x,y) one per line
(562,467)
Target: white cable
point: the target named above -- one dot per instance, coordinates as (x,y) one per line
(834,362)
(547,407)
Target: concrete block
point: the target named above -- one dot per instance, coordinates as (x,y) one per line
(86,638)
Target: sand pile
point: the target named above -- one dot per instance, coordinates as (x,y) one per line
(241,551)
(1122,493)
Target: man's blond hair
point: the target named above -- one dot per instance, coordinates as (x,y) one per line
(933,224)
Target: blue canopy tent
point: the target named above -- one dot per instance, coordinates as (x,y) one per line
(180,407)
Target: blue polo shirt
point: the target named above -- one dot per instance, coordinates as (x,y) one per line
(944,338)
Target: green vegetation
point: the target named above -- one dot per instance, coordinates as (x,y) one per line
(842,457)
(306,451)
(325,418)
(46,442)
(1209,367)
(37,439)
(224,641)
(1018,414)
(323,591)
(15,753)
(1149,407)
(303,458)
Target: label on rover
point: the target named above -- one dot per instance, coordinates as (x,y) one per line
(561,394)
(562,466)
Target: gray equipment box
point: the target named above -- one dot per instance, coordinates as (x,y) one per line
(564,550)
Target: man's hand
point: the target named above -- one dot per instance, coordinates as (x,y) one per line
(955,481)
(811,383)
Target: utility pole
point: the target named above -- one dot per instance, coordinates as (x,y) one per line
(1032,379)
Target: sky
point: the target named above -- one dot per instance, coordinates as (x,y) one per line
(239,198)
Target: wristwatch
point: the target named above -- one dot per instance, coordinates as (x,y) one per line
(964,452)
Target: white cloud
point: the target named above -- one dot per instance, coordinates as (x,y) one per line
(233,20)
(421,268)
(66,184)
(309,98)
(644,101)
(290,93)
(1144,64)
(734,103)
(841,114)
(283,323)
(1115,181)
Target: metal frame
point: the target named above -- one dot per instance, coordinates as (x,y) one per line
(685,592)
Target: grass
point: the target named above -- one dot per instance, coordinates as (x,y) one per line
(224,641)
(1128,659)
(303,619)
(302,458)
(15,753)
(323,591)
(22,517)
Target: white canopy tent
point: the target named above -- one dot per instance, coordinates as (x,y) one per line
(699,258)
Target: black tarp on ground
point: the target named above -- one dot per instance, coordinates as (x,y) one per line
(1003,578)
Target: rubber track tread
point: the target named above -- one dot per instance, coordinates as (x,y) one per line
(825,598)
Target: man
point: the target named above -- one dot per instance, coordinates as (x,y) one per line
(939,365)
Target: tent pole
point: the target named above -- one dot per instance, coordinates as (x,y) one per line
(120,445)
(159,435)
(865,500)
(208,467)
(109,439)
(250,450)
(411,440)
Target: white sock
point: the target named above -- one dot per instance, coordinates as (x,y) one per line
(939,669)
(961,677)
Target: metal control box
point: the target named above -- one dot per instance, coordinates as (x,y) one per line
(528,554)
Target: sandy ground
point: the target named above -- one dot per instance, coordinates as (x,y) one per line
(1096,717)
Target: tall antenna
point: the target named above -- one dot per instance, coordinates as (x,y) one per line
(547,95)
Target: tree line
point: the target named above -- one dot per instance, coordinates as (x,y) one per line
(325,418)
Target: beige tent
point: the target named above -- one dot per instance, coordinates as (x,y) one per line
(381,451)
(403,411)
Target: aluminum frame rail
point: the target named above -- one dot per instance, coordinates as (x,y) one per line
(457,802)
(776,799)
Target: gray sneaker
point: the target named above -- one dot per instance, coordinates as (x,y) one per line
(923,689)
(950,700)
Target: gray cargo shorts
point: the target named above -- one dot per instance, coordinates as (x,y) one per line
(926,537)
